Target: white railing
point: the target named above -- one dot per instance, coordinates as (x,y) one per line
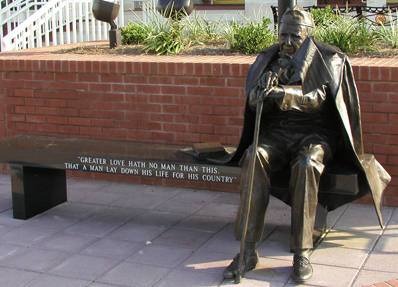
(59,22)
(13,13)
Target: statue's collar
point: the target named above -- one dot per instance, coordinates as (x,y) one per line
(308,61)
(308,64)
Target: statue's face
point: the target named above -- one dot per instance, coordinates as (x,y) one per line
(290,39)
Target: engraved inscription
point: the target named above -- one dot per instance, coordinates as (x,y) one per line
(189,171)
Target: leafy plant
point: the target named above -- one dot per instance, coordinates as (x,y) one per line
(351,35)
(388,35)
(199,30)
(134,33)
(168,36)
(167,39)
(323,16)
(252,37)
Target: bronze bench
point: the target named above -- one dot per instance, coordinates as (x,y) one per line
(39,163)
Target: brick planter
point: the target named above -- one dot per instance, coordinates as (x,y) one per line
(166,99)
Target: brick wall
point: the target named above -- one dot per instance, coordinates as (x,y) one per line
(171,100)
(377,82)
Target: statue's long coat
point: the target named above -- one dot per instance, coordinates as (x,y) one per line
(325,64)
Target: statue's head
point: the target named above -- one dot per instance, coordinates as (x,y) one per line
(295,26)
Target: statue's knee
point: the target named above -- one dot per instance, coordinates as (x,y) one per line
(302,161)
(307,163)
(261,159)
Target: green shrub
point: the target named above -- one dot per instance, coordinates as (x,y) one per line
(351,35)
(166,39)
(252,37)
(388,35)
(134,33)
(199,30)
(323,16)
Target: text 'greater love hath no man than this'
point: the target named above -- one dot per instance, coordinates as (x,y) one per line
(199,172)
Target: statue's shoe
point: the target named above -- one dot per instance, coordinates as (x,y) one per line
(249,263)
(302,269)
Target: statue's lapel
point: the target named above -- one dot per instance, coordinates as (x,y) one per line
(309,67)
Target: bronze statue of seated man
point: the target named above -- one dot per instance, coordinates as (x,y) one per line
(310,115)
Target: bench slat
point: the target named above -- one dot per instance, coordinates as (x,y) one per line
(116,157)
(145,159)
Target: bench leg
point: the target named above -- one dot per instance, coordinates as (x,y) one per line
(35,190)
(320,227)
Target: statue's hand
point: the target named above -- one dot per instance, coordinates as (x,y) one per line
(268,80)
(265,85)
(276,92)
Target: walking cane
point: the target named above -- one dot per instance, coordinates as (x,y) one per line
(246,209)
(284,64)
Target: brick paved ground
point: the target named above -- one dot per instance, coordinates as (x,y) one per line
(118,234)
